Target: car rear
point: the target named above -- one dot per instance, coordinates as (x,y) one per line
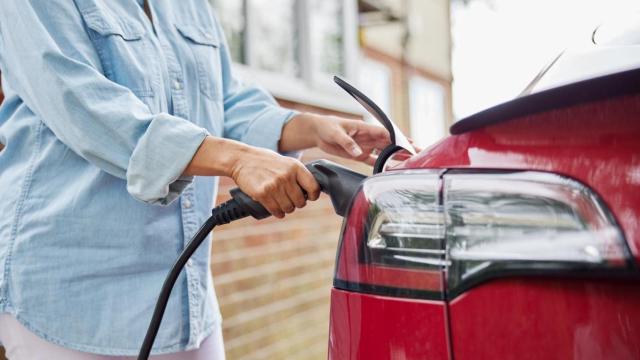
(518,237)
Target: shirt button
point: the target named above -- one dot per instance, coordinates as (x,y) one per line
(190,263)
(177,85)
(186,203)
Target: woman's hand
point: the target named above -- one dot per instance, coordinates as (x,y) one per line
(277,182)
(351,139)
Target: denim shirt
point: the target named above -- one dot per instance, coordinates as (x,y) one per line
(103,111)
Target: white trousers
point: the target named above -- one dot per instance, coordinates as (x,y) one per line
(22,344)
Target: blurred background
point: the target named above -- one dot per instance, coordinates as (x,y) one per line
(426,63)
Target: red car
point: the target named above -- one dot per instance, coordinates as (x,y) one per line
(517,237)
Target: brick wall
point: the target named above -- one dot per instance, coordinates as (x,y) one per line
(273,280)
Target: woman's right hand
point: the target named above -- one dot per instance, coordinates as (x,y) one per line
(277,182)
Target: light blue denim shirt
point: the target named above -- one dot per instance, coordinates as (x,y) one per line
(103,112)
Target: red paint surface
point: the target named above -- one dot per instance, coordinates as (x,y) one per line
(547,319)
(597,144)
(376,327)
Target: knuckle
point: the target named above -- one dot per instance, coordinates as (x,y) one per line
(274,211)
(269,187)
(262,192)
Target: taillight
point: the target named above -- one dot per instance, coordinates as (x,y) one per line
(420,233)
(393,237)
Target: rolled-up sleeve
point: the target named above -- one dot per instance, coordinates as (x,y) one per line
(52,65)
(252,115)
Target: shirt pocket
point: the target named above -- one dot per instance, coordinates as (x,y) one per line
(125,52)
(205,47)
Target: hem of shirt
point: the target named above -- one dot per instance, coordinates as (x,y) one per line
(108,351)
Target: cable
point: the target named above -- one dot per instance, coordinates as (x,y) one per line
(222,214)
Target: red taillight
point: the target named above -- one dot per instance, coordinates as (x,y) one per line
(420,233)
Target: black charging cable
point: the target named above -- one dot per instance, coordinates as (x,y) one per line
(337,181)
(225,213)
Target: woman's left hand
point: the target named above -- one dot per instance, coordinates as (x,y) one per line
(351,139)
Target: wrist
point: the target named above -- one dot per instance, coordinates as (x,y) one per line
(301,132)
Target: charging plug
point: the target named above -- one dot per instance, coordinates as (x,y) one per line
(335,180)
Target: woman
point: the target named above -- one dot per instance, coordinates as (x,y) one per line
(119,115)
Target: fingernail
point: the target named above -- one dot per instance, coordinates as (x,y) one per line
(356,151)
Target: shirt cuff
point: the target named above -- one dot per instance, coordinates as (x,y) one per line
(265,131)
(154,174)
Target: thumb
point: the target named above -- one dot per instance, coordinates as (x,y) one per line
(348,144)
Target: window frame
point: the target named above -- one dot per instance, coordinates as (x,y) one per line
(308,87)
(436,88)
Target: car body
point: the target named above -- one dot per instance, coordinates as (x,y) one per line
(517,237)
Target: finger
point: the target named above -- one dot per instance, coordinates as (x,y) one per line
(371,159)
(308,183)
(284,203)
(374,132)
(348,144)
(272,206)
(295,194)
(367,151)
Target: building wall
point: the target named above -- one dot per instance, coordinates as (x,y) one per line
(429,44)
(415,45)
(273,277)
(273,280)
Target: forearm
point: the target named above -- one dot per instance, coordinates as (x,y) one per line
(216,157)
(299,133)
